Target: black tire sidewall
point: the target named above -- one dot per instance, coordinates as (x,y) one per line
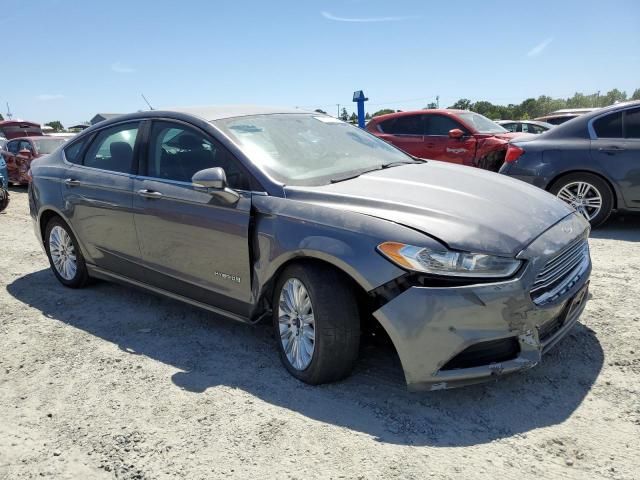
(323,366)
(599,184)
(81,269)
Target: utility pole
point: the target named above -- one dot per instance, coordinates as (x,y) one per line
(338,109)
(438,101)
(597,99)
(9,114)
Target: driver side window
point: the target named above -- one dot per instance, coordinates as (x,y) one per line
(177,152)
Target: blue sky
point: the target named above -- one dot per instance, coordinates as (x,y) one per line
(68,59)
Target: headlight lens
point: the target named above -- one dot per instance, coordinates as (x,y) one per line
(447,263)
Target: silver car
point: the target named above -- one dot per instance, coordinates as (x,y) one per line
(297,217)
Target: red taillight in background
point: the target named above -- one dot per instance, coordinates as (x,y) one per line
(513,153)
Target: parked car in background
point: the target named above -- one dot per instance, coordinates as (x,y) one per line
(558,117)
(4,185)
(20,152)
(3,142)
(456,136)
(328,231)
(525,126)
(591,162)
(19,128)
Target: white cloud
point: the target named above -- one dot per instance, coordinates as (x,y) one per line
(330,16)
(122,68)
(537,50)
(45,97)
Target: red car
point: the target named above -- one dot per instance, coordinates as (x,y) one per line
(457,136)
(20,152)
(19,128)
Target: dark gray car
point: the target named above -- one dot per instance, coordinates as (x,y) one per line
(330,232)
(591,162)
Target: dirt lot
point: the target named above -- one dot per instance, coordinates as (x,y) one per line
(109,382)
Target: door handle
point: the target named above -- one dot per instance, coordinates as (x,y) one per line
(149,193)
(611,149)
(72,182)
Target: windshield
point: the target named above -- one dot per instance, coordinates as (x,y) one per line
(48,145)
(307,149)
(481,123)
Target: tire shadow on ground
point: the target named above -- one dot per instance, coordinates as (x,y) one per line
(211,351)
(625,227)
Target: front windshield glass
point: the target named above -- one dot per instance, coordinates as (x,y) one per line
(307,149)
(481,123)
(46,146)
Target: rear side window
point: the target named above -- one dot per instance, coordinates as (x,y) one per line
(512,127)
(112,149)
(632,123)
(609,126)
(440,125)
(406,125)
(73,151)
(12,147)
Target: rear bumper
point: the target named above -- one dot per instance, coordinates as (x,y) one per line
(434,328)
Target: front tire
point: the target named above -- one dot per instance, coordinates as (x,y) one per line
(65,258)
(316,323)
(589,194)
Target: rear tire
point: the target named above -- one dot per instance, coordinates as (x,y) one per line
(589,194)
(318,335)
(65,257)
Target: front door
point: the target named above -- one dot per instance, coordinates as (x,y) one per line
(442,147)
(97,192)
(193,243)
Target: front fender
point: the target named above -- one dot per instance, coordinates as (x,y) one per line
(286,230)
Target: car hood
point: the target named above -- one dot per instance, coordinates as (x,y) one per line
(463,207)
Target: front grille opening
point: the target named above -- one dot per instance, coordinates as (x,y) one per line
(560,273)
(485,353)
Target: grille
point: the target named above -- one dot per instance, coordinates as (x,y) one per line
(560,273)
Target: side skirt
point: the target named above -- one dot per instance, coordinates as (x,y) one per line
(102,274)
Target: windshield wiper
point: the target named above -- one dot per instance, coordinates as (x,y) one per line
(402,162)
(356,175)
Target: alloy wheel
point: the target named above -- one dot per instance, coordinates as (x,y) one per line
(63,253)
(582,196)
(297,324)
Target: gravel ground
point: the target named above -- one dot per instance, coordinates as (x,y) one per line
(110,382)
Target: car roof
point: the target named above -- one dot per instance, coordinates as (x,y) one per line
(215,112)
(429,111)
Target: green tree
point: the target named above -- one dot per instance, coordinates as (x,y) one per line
(636,94)
(384,111)
(344,115)
(431,106)
(612,97)
(367,116)
(1,117)
(462,104)
(353,118)
(56,125)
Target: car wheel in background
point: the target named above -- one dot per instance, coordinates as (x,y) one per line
(316,322)
(65,258)
(589,194)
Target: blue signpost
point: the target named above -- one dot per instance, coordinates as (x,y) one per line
(359,98)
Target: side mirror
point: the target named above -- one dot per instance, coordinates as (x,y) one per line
(25,152)
(214,182)
(456,133)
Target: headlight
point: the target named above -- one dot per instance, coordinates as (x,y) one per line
(447,263)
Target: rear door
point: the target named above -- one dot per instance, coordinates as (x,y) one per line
(192,242)
(615,149)
(406,133)
(442,147)
(98,197)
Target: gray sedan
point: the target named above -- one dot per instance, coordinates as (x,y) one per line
(591,162)
(328,231)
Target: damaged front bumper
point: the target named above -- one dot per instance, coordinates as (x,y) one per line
(448,337)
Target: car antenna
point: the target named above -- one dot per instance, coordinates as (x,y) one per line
(146,101)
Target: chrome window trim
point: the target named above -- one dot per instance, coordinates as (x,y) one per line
(591,130)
